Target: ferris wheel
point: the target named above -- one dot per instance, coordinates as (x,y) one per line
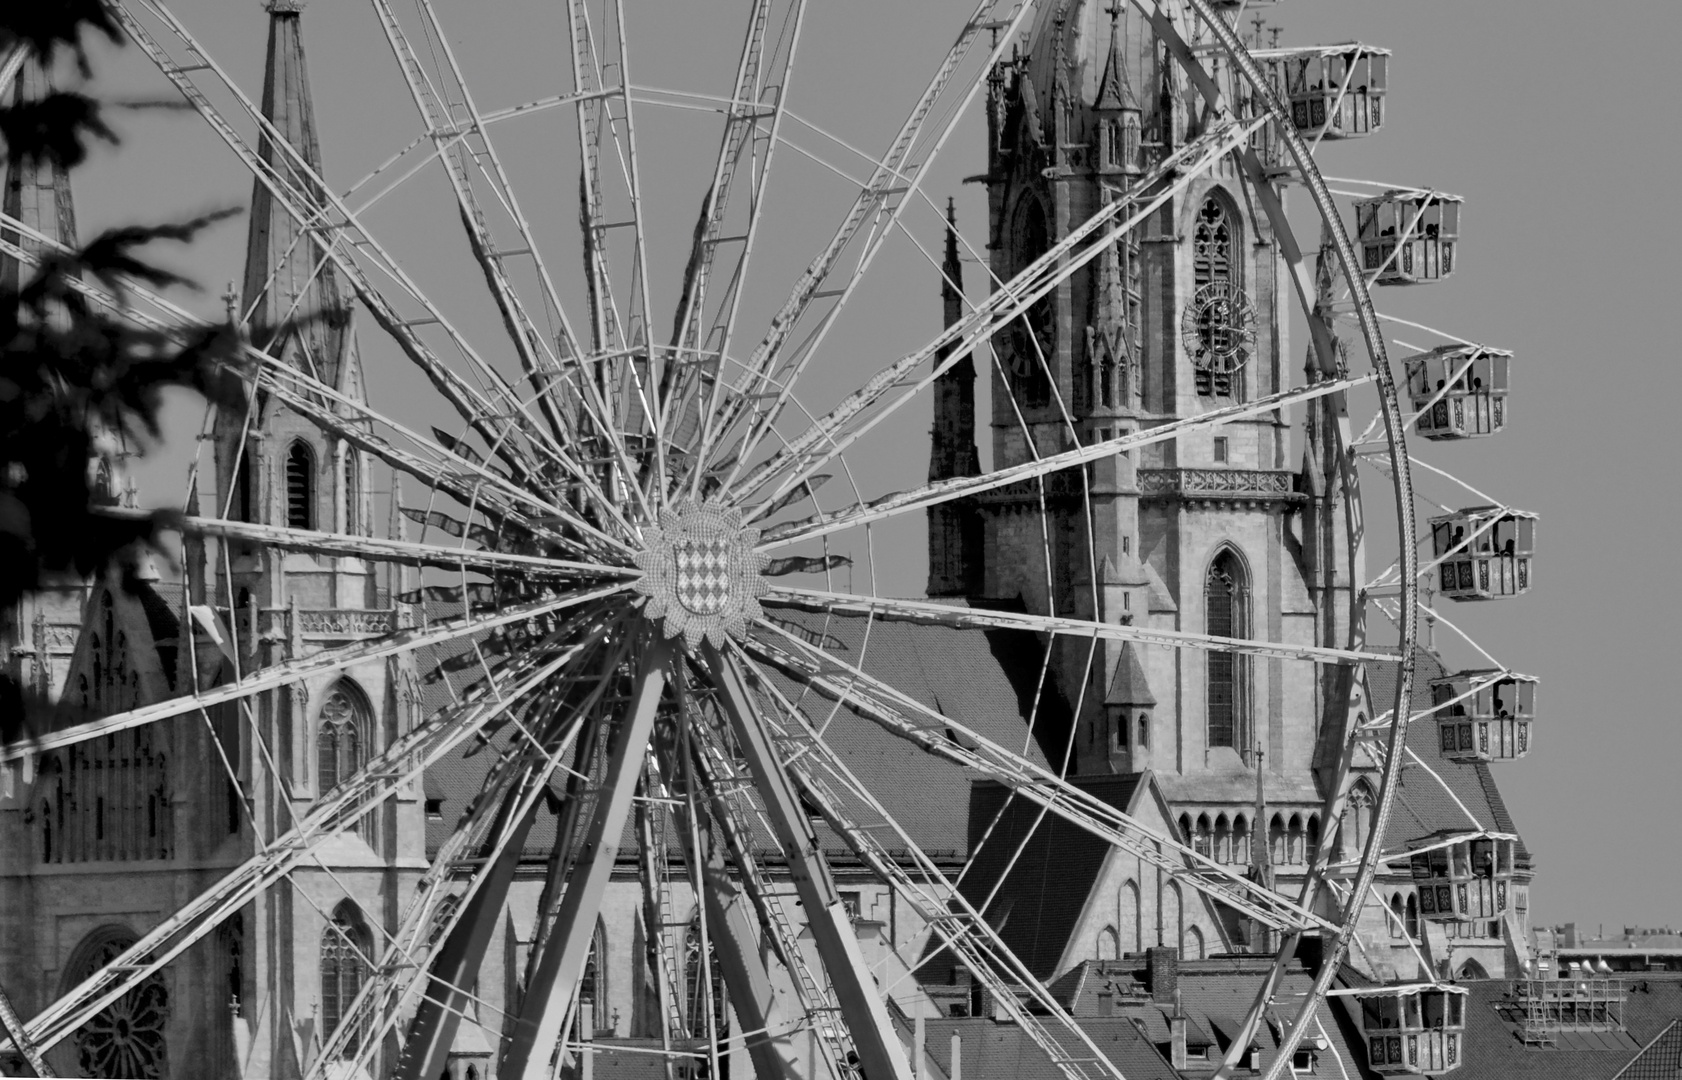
(607,529)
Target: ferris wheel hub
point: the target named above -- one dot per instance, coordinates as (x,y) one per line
(701,574)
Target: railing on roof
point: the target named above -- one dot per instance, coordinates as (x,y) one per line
(1550,1006)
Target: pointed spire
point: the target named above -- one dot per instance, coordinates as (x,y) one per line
(952,270)
(37,192)
(1115,90)
(1130,685)
(280,279)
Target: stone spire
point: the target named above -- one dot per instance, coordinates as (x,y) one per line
(281,282)
(37,193)
(954,527)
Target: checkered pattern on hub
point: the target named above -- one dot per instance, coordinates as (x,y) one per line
(703,573)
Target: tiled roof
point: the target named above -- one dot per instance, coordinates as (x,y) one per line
(1423,805)
(991,1050)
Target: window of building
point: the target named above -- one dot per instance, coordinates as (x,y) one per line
(353,490)
(300,486)
(344,967)
(1220,450)
(341,737)
(1109,944)
(1144,737)
(1396,921)
(852,904)
(1203,838)
(1032,336)
(696,987)
(1226,596)
(1412,916)
(126,1038)
(1214,258)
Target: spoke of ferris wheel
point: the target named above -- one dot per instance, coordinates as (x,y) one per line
(947,912)
(946,490)
(12,62)
(743,133)
(473,485)
(306,197)
(386,774)
(291,671)
(458,131)
(281,378)
(894,712)
(880,1054)
(371,547)
(938,614)
(552,988)
(887,181)
(821,442)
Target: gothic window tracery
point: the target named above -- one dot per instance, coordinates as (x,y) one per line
(300,486)
(126,1039)
(1215,258)
(1226,614)
(107,799)
(344,947)
(695,986)
(341,737)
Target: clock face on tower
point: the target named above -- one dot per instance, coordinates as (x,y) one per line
(1218,327)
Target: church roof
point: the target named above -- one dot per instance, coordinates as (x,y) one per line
(1049,868)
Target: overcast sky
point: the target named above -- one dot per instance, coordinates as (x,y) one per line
(1555,120)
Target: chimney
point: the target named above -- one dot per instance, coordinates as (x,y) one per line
(1177,1034)
(957,1071)
(1106,1003)
(1162,970)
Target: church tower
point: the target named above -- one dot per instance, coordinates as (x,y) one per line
(1214,532)
(274,466)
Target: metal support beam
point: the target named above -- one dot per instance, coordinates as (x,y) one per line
(432,1032)
(532,1042)
(881,1057)
(730,919)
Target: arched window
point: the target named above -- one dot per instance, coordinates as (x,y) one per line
(345,947)
(1144,738)
(300,486)
(353,490)
(1129,915)
(1223,839)
(127,1037)
(694,986)
(1241,840)
(243,507)
(1187,834)
(1396,923)
(1109,944)
(1203,839)
(1226,614)
(1173,916)
(341,736)
(1191,948)
(592,988)
(1412,916)
(1215,258)
(1357,820)
(1276,840)
(1294,836)
(1313,850)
